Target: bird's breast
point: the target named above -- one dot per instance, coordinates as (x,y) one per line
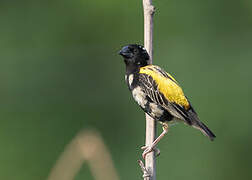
(151,108)
(139,96)
(130,78)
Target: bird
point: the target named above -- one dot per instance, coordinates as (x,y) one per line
(158,93)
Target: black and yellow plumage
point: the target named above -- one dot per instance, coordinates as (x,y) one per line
(156,91)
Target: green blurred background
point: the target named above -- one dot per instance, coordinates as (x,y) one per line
(60,73)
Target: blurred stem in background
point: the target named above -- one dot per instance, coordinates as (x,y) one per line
(86,147)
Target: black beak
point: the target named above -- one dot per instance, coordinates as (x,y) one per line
(125,52)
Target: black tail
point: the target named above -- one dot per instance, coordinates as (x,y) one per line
(196,123)
(204,129)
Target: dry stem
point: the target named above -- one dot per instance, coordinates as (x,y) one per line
(150,163)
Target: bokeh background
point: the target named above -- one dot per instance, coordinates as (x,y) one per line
(60,73)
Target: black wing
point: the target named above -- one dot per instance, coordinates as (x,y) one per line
(149,86)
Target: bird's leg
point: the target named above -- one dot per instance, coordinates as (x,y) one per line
(148,149)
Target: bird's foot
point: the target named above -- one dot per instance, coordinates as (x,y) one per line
(148,149)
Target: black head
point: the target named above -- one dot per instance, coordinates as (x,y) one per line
(135,55)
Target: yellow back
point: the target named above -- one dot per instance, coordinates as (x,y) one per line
(166,85)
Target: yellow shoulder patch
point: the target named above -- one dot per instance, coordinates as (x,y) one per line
(167,85)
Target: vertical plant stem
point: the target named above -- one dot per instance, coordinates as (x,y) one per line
(150,162)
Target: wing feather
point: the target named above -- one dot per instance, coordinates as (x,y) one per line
(163,89)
